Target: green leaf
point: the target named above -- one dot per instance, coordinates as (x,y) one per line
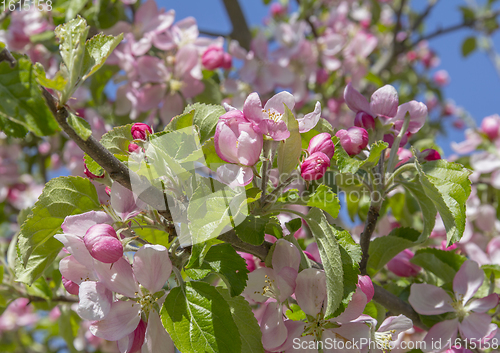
(252,229)
(448,186)
(180,121)
(329,251)
(324,198)
(212,159)
(198,319)
(351,165)
(205,117)
(72,36)
(22,106)
(289,151)
(61,197)
(383,249)
(294,225)
(57,83)
(211,210)
(40,288)
(427,207)
(442,263)
(97,50)
(224,261)
(80,126)
(350,253)
(468,46)
(39,260)
(250,334)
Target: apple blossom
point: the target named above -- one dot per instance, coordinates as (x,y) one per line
(322,143)
(401,266)
(141,131)
(353,140)
(103,243)
(314,166)
(470,318)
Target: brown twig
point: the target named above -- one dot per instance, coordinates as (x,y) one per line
(397,306)
(240,31)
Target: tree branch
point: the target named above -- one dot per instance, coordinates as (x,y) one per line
(464,24)
(423,15)
(116,169)
(397,306)
(240,32)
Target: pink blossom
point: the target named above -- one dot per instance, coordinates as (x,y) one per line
(19,313)
(214,58)
(470,318)
(103,243)
(491,126)
(364,120)
(314,166)
(441,78)
(353,140)
(151,269)
(322,143)
(430,154)
(384,101)
(141,131)
(401,266)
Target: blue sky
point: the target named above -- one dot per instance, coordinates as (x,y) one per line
(475,85)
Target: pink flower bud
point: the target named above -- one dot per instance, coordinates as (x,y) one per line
(353,140)
(277,9)
(322,143)
(235,139)
(227,61)
(140,131)
(364,120)
(133,147)
(89,174)
(213,57)
(314,166)
(430,154)
(103,243)
(401,266)
(366,285)
(491,126)
(70,286)
(441,78)
(321,76)
(107,190)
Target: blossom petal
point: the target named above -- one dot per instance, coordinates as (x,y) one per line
(285,280)
(277,130)
(418,115)
(427,299)
(76,247)
(294,330)
(444,331)
(385,101)
(278,102)
(476,326)
(355,100)
(124,202)
(152,267)
(121,320)
(354,308)
(366,285)
(274,331)
(467,280)
(157,339)
(95,300)
(285,255)
(484,304)
(74,271)
(80,223)
(310,120)
(234,175)
(257,282)
(118,277)
(310,290)
(252,108)
(398,323)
